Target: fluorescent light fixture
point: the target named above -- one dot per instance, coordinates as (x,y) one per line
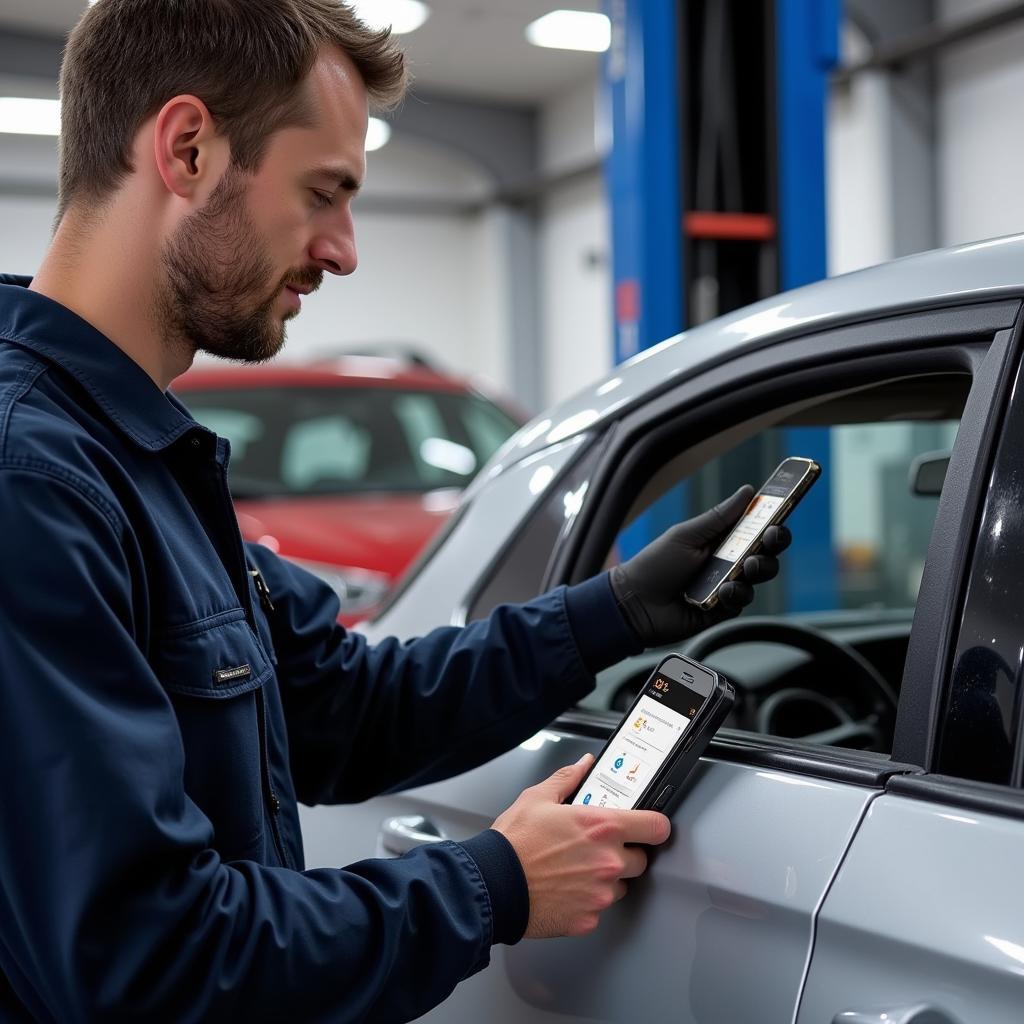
(571,30)
(20,115)
(377,134)
(401,16)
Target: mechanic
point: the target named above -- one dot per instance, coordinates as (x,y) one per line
(168,693)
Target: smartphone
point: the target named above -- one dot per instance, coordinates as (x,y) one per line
(772,503)
(667,728)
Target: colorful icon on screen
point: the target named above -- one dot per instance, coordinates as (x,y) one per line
(588,798)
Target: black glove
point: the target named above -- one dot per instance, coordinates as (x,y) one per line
(649,587)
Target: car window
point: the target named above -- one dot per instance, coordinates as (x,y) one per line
(292,441)
(325,448)
(870,532)
(853,574)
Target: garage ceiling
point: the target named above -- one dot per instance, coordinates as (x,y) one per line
(467,48)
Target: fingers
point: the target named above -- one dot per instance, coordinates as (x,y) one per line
(760,568)
(734,506)
(565,781)
(647,827)
(636,862)
(734,597)
(709,526)
(776,539)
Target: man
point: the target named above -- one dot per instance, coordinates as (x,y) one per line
(168,693)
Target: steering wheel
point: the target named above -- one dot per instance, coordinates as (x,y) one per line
(782,710)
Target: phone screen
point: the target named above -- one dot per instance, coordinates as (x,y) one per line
(759,512)
(647,736)
(780,486)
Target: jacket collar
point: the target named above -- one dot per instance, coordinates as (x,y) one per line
(124,391)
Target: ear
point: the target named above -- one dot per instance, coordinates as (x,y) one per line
(190,156)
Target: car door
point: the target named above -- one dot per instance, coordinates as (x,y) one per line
(720,928)
(924,923)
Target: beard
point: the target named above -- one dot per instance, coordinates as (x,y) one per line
(219,293)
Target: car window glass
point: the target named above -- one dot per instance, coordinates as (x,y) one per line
(324,449)
(293,441)
(484,424)
(852,576)
(877,533)
(435,455)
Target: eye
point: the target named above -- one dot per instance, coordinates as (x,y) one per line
(322,199)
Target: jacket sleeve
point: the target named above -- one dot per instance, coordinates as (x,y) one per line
(439,705)
(113,903)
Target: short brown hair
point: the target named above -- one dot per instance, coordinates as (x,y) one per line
(245,59)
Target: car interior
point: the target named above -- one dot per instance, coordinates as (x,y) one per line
(819,655)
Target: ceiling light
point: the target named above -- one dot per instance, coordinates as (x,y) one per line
(400,16)
(571,30)
(22,116)
(377,134)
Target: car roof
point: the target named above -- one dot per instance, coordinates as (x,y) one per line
(344,371)
(971,273)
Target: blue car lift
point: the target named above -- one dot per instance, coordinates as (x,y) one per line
(716,179)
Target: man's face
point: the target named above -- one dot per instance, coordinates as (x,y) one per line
(235,268)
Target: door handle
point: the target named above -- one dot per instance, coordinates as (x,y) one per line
(406,832)
(920,1013)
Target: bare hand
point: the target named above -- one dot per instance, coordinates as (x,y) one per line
(575,858)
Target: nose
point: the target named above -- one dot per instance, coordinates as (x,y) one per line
(334,248)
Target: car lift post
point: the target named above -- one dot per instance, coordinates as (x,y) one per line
(716,183)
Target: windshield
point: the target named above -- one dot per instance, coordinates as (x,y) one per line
(295,441)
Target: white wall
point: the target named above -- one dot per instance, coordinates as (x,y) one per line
(24,232)
(860,196)
(575,249)
(981,146)
(425,278)
(413,285)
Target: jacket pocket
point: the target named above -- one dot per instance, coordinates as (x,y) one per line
(213,671)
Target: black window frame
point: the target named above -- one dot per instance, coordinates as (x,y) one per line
(987,645)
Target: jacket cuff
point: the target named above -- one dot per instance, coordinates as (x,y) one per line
(503,875)
(602,635)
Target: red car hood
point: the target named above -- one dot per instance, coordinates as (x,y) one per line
(379,532)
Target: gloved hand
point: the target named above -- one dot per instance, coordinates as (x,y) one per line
(649,587)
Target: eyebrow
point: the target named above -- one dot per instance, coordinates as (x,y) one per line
(346,179)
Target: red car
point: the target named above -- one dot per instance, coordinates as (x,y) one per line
(347,467)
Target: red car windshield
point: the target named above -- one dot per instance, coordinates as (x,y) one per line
(291,441)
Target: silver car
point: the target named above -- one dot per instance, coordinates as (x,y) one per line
(851,847)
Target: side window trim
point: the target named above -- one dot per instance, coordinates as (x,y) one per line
(982,708)
(771,753)
(937,614)
(981,797)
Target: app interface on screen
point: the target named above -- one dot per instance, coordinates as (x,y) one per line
(645,738)
(760,511)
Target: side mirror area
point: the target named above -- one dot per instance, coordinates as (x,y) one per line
(928,473)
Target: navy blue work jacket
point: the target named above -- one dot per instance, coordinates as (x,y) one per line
(160,723)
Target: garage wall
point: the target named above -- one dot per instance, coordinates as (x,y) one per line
(26,231)
(576,279)
(978,148)
(425,275)
(859,189)
(981,146)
